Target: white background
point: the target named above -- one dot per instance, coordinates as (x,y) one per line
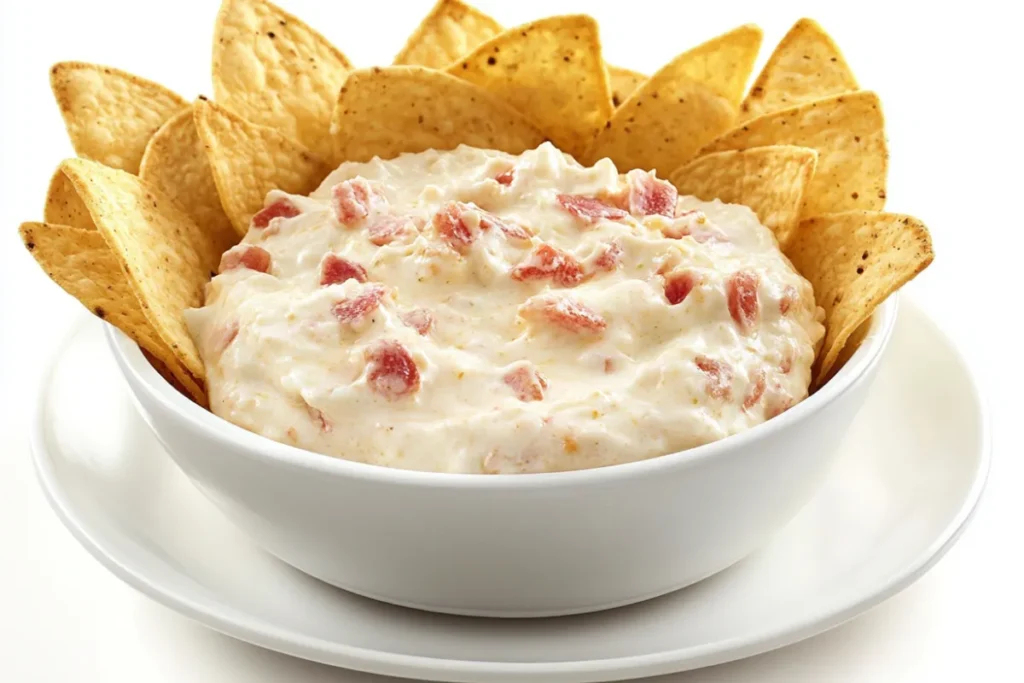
(949,80)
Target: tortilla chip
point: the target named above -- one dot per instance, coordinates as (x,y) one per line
(274,70)
(166,257)
(175,161)
(806,65)
(688,103)
(392,110)
(849,133)
(854,261)
(551,71)
(110,114)
(64,206)
(770,180)
(249,160)
(623,82)
(450,30)
(80,261)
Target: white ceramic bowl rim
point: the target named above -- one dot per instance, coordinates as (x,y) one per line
(131,362)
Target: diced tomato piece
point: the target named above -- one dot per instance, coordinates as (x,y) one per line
(756,389)
(744,307)
(526,382)
(610,258)
(223,337)
(245,256)
(506,177)
(355,309)
(719,377)
(609,365)
(649,196)
(420,319)
(777,402)
(589,209)
(282,208)
(678,286)
(508,228)
(352,200)
(336,269)
(565,312)
(391,370)
(548,262)
(452,228)
(386,229)
(788,298)
(787,362)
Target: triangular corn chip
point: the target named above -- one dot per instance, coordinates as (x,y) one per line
(623,82)
(166,258)
(849,133)
(392,110)
(854,261)
(274,70)
(64,206)
(175,161)
(685,105)
(806,65)
(770,180)
(249,160)
(551,71)
(81,262)
(110,114)
(450,30)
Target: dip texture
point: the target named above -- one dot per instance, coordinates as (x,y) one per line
(479,312)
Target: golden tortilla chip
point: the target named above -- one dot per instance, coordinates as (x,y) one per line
(110,114)
(64,206)
(80,261)
(854,261)
(175,161)
(392,110)
(551,71)
(770,180)
(688,103)
(623,82)
(450,30)
(274,70)
(806,65)
(166,257)
(249,160)
(849,133)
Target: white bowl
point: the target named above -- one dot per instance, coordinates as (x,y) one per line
(512,545)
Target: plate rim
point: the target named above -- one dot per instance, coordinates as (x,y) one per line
(230,621)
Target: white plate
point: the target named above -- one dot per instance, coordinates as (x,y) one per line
(911,471)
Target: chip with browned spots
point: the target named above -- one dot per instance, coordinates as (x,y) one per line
(450,30)
(551,71)
(81,262)
(849,133)
(110,114)
(64,206)
(855,261)
(388,111)
(175,161)
(272,69)
(623,82)
(771,181)
(249,160)
(806,65)
(685,105)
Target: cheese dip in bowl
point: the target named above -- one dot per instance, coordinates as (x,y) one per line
(498,385)
(477,312)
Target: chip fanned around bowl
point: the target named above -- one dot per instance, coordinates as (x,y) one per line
(450,30)
(386,111)
(110,114)
(550,70)
(274,70)
(249,160)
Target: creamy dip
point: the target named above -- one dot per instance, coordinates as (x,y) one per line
(474,311)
